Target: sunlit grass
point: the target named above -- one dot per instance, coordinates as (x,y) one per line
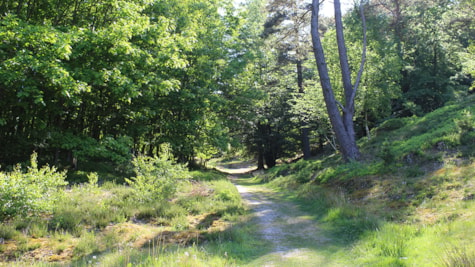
(105,225)
(417,210)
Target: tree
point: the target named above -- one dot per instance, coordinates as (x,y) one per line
(77,77)
(430,35)
(291,42)
(380,82)
(342,123)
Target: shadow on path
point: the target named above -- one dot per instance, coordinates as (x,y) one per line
(292,235)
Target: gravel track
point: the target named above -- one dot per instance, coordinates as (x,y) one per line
(293,235)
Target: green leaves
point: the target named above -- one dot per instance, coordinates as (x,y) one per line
(26,193)
(156,178)
(77,77)
(468,63)
(33,63)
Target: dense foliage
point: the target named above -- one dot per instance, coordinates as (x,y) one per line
(95,80)
(84,83)
(142,91)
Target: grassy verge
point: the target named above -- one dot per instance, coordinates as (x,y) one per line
(204,224)
(426,221)
(410,202)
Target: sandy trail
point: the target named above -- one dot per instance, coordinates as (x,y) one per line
(293,235)
(282,224)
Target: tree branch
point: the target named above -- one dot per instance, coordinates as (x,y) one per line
(340,105)
(343,55)
(363,56)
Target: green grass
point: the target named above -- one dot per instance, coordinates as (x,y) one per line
(434,228)
(206,220)
(7,231)
(428,137)
(410,202)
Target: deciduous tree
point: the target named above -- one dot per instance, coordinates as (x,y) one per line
(342,121)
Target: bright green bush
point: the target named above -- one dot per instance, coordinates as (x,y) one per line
(31,192)
(156,178)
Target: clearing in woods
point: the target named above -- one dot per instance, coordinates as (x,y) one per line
(293,237)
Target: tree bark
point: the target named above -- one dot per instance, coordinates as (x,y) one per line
(260,148)
(342,122)
(304,128)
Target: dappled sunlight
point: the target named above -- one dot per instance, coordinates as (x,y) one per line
(236,171)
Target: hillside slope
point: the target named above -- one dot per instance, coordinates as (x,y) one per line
(410,202)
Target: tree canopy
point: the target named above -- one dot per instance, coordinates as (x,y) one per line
(83,82)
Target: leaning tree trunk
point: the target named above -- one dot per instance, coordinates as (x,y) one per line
(342,122)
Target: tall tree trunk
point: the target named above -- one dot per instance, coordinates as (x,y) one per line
(269,146)
(260,159)
(304,129)
(342,122)
(260,148)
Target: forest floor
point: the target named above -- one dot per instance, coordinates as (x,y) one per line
(292,236)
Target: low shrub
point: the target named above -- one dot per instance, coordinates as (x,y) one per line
(65,220)
(207,175)
(33,226)
(393,124)
(87,244)
(93,207)
(7,231)
(385,153)
(31,192)
(156,178)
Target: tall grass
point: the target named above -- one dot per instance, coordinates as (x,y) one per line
(457,256)
(106,224)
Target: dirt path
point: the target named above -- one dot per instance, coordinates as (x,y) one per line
(294,237)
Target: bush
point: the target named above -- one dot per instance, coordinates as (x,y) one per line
(35,227)
(392,124)
(156,178)
(66,220)
(87,244)
(7,231)
(31,192)
(385,153)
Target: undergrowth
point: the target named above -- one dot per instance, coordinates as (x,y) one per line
(409,202)
(200,215)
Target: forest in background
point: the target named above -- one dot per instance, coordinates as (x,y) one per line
(109,107)
(85,83)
